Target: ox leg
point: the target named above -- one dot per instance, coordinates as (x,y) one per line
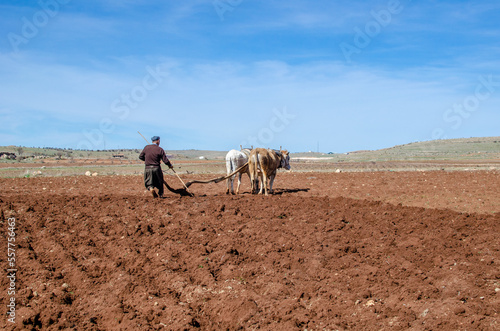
(271,181)
(231,179)
(252,181)
(263,183)
(251,185)
(228,171)
(239,183)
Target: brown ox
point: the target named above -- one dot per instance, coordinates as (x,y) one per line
(268,161)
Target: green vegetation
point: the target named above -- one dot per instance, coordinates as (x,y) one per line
(33,162)
(451,149)
(27,154)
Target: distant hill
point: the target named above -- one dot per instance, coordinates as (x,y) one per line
(450,149)
(447,149)
(127,154)
(470,148)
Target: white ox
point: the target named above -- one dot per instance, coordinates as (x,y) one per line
(234,160)
(267,161)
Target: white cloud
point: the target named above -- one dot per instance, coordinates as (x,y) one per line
(217,92)
(225,102)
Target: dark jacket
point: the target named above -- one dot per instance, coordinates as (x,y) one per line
(153,154)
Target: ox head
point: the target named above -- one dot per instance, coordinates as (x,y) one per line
(285,159)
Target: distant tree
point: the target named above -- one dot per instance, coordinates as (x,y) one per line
(20,150)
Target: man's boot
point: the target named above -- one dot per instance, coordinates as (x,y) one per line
(154,191)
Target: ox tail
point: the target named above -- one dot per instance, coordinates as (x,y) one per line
(254,165)
(229,166)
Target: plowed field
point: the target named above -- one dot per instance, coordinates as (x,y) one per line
(327,251)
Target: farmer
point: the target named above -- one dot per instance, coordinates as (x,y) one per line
(152,155)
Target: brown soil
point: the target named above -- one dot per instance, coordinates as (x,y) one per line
(371,250)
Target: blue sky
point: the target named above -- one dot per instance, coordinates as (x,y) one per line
(347,75)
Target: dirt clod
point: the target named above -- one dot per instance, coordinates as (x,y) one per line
(106,256)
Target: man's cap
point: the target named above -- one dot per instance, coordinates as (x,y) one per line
(155,138)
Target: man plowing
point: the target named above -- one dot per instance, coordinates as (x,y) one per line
(152,155)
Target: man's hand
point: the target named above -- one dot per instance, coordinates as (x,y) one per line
(171,166)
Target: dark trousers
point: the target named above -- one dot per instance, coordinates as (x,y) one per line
(153,176)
